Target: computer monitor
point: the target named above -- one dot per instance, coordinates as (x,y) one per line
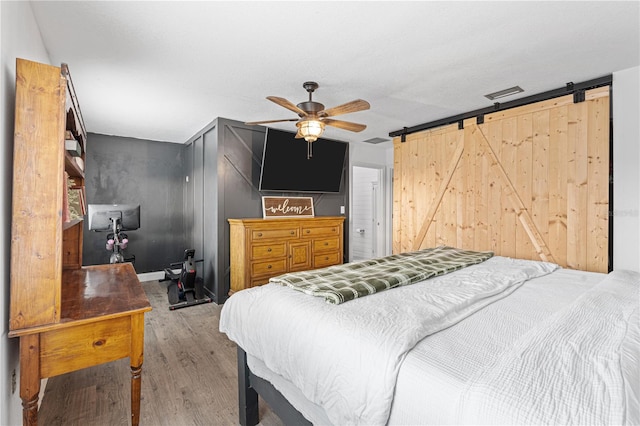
(101,216)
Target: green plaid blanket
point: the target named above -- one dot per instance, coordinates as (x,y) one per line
(341,283)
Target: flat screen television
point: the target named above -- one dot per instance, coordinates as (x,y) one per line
(286,168)
(101,216)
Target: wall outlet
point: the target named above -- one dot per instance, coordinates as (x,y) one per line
(341,209)
(14,381)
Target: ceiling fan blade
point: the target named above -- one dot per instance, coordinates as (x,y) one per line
(349,107)
(345,125)
(271,121)
(287,104)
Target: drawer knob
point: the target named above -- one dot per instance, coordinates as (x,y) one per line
(308,231)
(259,234)
(334,229)
(326,258)
(326,244)
(269,267)
(292,233)
(269,249)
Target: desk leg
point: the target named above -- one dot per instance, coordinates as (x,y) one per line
(136,359)
(29,377)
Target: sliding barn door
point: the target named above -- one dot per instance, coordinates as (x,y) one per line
(530,182)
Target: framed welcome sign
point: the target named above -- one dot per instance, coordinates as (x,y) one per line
(276,207)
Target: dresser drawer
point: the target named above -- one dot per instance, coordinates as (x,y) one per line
(320,231)
(260,281)
(268,234)
(261,251)
(326,259)
(271,267)
(326,244)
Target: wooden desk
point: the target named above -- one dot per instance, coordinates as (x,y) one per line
(102,320)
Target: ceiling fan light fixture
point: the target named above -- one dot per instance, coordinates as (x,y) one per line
(310,129)
(313,116)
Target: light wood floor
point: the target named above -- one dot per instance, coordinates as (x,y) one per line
(189,376)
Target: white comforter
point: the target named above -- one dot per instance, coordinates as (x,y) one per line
(581,366)
(346,358)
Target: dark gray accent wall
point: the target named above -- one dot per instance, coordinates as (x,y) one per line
(224,161)
(134,171)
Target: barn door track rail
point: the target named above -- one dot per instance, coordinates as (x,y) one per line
(577,89)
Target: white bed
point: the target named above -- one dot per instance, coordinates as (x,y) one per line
(437,379)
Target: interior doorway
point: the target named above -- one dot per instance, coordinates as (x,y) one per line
(368,223)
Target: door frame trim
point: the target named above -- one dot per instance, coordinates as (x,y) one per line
(386,198)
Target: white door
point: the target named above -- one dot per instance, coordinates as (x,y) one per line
(367,213)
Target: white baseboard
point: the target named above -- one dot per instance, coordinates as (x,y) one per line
(43,387)
(151,276)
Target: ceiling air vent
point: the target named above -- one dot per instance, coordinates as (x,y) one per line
(504,93)
(376,140)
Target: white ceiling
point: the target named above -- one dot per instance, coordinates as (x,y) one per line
(163,70)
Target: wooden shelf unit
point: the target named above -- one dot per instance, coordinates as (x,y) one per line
(263,248)
(67,316)
(39,237)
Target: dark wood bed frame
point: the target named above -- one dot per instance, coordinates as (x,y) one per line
(250,385)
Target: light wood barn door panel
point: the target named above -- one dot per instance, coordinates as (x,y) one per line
(530,182)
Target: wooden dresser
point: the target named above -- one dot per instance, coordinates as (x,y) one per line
(263,248)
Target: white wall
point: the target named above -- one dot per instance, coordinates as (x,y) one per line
(365,153)
(20,37)
(626,169)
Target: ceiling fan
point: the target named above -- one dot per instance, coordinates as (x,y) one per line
(313,116)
